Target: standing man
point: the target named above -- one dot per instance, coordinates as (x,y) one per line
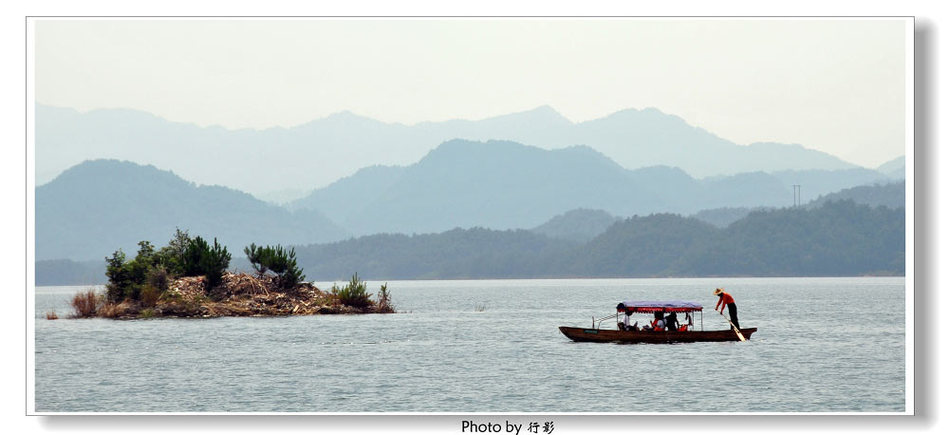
(727,299)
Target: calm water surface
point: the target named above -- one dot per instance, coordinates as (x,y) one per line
(823,344)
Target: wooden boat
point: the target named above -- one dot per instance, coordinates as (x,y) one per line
(617,336)
(687,333)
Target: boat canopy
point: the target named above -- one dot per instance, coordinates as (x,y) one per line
(653,306)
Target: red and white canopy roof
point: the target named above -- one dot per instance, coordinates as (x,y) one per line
(653,306)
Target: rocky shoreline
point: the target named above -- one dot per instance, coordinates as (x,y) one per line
(238,295)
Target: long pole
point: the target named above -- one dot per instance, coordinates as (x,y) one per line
(740,336)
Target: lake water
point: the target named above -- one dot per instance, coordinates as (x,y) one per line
(823,345)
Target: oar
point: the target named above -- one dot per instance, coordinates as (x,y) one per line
(741,337)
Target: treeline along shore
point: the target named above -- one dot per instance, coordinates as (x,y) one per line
(188,278)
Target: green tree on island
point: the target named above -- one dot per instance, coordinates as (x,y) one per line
(276,259)
(201,259)
(148,274)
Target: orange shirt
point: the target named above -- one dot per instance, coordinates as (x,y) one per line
(724,299)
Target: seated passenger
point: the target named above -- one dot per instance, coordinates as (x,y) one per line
(672,323)
(688,322)
(658,324)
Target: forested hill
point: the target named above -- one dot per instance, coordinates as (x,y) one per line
(836,239)
(892,195)
(456,254)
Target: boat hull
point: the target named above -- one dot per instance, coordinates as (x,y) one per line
(616,336)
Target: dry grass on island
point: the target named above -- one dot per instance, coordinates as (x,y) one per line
(188,278)
(237,295)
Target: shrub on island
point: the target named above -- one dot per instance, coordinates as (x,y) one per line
(354,294)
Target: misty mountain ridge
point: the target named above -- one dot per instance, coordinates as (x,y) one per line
(106,204)
(320,152)
(495,184)
(506,185)
(895,168)
(83,237)
(99,206)
(578,225)
(583,225)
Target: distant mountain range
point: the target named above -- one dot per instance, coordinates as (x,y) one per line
(283,163)
(583,225)
(505,185)
(890,195)
(425,179)
(99,206)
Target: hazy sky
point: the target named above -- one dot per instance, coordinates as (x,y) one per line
(833,85)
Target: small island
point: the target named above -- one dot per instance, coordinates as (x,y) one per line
(189,278)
